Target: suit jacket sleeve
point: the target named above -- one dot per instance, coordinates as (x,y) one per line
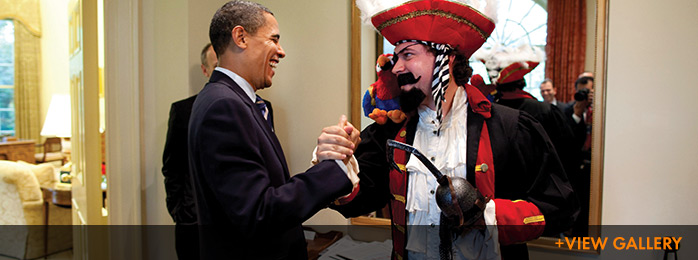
(247,179)
(175,167)
(561,136)
(578,129)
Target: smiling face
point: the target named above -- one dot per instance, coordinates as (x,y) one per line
(416,58)
(547,91)
(264,52)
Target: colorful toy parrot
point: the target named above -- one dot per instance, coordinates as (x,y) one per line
(382,99)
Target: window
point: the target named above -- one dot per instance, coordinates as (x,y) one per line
(520,21)
(7,78)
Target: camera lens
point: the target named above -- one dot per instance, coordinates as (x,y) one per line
(581,95)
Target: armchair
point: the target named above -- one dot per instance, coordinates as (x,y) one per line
(22,213)
(52,151)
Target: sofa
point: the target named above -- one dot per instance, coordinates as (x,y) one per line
(23,227)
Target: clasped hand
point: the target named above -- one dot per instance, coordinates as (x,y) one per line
(338,142)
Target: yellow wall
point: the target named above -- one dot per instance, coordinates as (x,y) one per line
(54,52)
(164,80)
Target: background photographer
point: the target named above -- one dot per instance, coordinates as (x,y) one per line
(580,116)
(583,98)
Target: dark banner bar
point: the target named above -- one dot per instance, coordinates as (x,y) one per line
(358,241)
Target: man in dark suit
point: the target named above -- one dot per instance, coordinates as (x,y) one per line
(175,168)
(248,205)
(579,114)
(548,92)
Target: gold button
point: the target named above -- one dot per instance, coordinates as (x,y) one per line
(403,133)
(484,167)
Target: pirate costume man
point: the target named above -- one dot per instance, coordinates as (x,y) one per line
(504,153)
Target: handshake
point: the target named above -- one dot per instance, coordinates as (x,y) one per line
(338,142)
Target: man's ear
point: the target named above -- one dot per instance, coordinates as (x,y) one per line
(203,70)
(239,37)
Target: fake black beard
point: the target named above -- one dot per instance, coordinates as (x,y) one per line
(411,99)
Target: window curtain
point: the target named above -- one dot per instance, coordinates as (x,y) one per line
(566,47)
(27,22)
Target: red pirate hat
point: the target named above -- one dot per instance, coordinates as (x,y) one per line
(508,64)
(516,71)
(439,21)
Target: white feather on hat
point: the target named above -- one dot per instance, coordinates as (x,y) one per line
(500,56)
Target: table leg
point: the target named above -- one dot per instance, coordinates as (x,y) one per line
(46,229)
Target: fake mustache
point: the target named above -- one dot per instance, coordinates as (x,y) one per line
(406,79)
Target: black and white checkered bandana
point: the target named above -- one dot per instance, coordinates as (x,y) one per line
(441,72)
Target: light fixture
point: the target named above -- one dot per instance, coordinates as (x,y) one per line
(57,121)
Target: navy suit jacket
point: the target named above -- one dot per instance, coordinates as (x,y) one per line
(175,162)
(248,205)
(578,129)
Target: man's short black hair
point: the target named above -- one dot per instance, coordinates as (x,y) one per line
(582,81)
(249,15)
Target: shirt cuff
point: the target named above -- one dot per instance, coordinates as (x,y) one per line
(351,168)
(576,118)
(490,214)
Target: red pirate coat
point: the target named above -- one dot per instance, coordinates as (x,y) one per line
(523,174)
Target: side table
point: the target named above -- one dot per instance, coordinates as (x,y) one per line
(59,195)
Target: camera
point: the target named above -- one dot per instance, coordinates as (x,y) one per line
(581,95)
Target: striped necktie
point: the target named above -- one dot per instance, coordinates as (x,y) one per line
(263,108)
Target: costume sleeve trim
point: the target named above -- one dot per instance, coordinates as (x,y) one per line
(518,221)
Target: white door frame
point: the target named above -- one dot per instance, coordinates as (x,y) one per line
(123,101)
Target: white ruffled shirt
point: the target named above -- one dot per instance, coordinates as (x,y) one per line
(448,152)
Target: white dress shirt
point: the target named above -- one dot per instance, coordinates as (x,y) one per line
(244,85)
(447,150)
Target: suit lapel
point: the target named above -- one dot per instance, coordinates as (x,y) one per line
(474,128)
(259,118)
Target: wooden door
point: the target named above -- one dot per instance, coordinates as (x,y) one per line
(88,212)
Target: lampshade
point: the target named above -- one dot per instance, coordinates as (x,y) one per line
(57,121)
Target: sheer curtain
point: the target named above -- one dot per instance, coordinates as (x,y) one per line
(27,22)
(566,45)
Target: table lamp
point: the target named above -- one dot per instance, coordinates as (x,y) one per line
(58,122)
